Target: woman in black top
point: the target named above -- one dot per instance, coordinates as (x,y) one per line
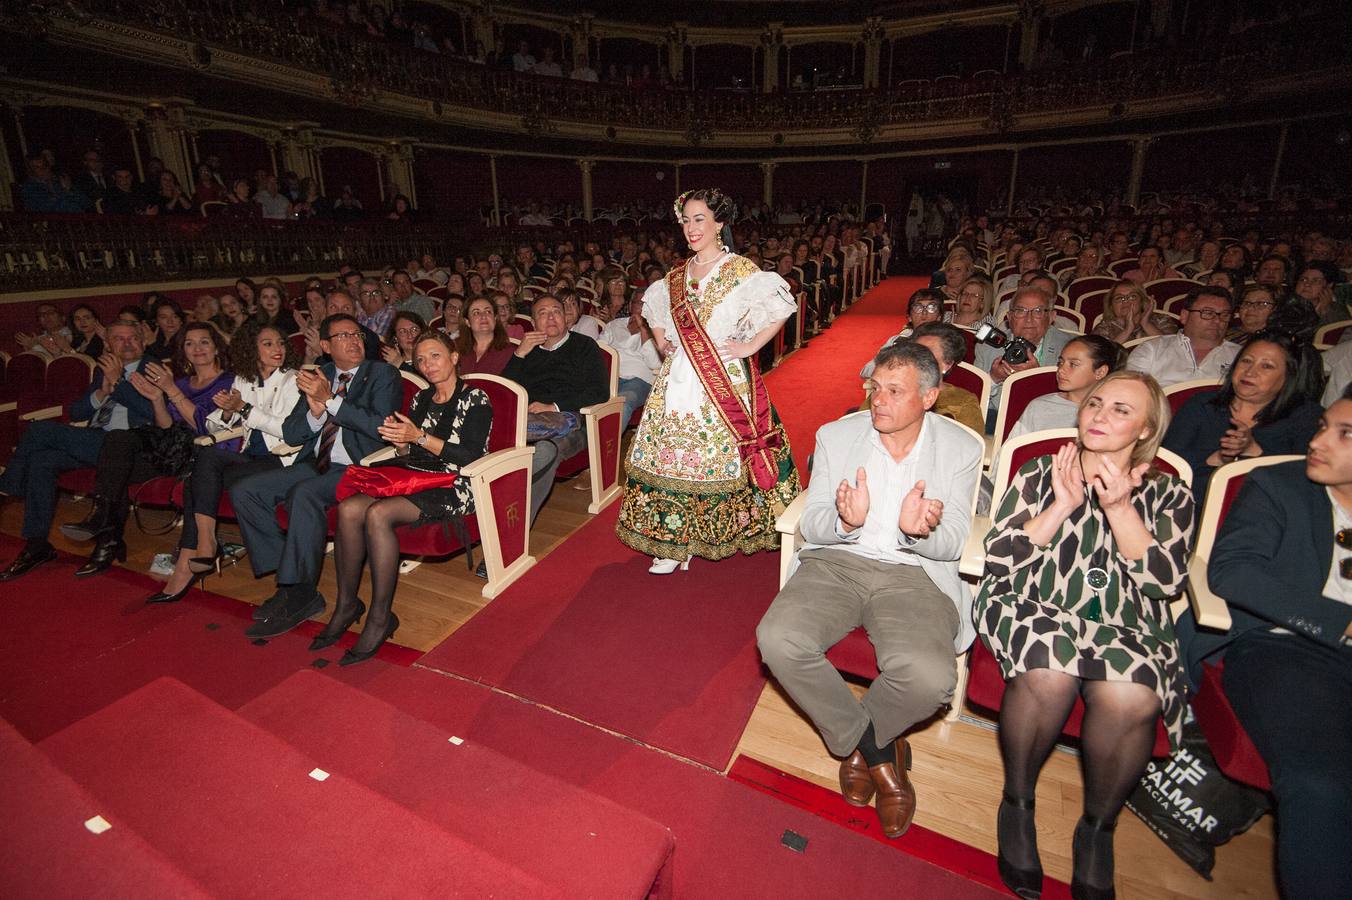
(447,428)
(168,318)
(1268,405)
(272,308)
(86,332)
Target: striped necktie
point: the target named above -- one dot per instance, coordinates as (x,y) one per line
(329,433)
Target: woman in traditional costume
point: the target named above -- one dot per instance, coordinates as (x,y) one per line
(710,466)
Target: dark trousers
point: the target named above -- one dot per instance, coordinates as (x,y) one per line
(45,451)
(214,471)
(1294,698)
(122,460)
(297,554)
(548,455)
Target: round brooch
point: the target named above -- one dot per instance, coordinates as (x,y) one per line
(1096,578)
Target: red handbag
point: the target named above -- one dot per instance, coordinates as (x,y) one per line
(389,481)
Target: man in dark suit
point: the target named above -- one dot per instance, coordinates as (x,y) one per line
(562,371)
(342,404)
(92,182)
(49,448)
(1283,563)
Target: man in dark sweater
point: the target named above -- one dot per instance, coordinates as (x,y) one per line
(562,372)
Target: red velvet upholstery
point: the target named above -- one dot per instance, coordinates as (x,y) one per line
(854,655)
(1022,392)
(1235,753)
(1166,288)
(68,377)
(1091,306)
(969,337)
(1123,266)
(1081,286)
(1178,398)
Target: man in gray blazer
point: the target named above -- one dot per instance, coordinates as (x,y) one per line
(888,510)
(1030,317)
(342,404)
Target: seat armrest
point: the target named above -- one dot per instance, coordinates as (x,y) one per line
(47,412)
(600,409)
(491,464)
(791,540)
(380,455)
(973,563)
(284,450)
(1208,609)
(787,523)
(226,434)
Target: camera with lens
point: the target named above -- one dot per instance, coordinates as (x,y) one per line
(1017,350)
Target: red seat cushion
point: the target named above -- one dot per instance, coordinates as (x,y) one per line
(854,655)
(1230,745)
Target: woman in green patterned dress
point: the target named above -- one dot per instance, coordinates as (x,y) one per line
(710,467)
(1086,549)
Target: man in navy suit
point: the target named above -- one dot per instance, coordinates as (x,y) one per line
(342,404)
(1283,563)
(49,448)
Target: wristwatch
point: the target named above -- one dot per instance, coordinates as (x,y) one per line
(245,410)
(422,440)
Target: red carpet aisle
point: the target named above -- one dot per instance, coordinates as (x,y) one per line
(817,384)
(670,661)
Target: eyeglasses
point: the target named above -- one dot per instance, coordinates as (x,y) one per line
(375,293)
(1257,304)
(345,336)
(925,307)
(1019,312)
(406,331)
(1208,314)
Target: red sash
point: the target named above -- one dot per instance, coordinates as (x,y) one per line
(757,437)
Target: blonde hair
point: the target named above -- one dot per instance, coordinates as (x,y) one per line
(987,293)
(1137,293)
(1157,412)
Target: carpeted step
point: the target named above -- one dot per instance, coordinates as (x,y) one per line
(244,814)
(566,836)
(48,850)
(730,839)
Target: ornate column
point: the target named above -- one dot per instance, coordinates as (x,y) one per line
(296,157)
(772,41)
(676,41)
(7,179)
(1277,161)
(133,124)
(485,28)
(863,188)
(1030,21)
(677,179)
(164,130)
(580,31)
(1013,179)
(493,178)
(1138,149)
(586,166)
(873,51)
(767,183)
(398,159)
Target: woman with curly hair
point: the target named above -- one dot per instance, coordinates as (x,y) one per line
(710,463)
(263,393)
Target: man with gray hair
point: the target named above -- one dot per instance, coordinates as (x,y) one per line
(886,519)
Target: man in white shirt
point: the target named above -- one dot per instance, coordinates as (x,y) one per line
(584,72)
(275,205)
(523,60)
(887,516)
(639,359)
(548,66)
(1199,349)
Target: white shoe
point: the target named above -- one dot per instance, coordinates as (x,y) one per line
(662,566)
(162,566)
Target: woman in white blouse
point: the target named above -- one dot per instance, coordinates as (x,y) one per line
(263,394)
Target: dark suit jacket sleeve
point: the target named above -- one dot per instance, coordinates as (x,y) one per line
(83,408)
(1253,570)
(296,430)
(380,398)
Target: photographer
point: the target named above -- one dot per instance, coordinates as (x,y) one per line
(1032,341)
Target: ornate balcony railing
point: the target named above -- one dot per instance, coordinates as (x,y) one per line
(359,66)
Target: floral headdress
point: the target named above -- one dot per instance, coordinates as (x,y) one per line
(679,204)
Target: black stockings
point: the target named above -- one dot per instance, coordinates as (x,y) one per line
(1116,739)
(366,530)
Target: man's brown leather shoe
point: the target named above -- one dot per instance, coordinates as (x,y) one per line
(856,785)
(896,797)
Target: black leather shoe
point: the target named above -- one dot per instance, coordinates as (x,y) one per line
(482,570)
(105,552)
(163,597)
(94,524)
(286,618)
(1025,883)
(352,657)
(337,627)
(27,561)
(268,608)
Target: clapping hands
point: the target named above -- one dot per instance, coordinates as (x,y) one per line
(919,515)
(852,502)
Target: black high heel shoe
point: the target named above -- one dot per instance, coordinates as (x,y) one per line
(105,552)
(336,628)
(163,597)
(1087,831)
(1025,883)
(202,565)
(352,657)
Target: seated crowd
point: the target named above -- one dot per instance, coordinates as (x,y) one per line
(1084,551)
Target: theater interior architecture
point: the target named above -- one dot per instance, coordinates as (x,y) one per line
(575,726)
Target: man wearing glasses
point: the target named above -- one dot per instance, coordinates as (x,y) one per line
(334,424)
(1199,349)
(1283,563)
(376,312)
(1029,317)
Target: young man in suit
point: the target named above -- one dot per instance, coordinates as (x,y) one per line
(1283,563)
(49,448)
(342,404)
(888,511)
